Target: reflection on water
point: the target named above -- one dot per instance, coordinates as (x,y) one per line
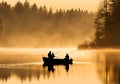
(94,67)
(112,68)
(24,72)
(110,61)
(51,67)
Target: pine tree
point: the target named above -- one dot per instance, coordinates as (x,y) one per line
(1,28)
(107,24)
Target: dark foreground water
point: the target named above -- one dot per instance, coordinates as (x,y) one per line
(89,67)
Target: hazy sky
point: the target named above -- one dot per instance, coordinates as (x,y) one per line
(91,5)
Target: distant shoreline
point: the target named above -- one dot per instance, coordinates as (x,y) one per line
(100,48)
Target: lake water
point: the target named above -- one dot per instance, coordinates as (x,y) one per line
(24,66)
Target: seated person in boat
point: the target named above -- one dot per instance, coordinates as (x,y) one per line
(67,56)
(51,55)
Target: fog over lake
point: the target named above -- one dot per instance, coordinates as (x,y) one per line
(25,66)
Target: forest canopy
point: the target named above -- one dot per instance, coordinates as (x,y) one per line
(25,25)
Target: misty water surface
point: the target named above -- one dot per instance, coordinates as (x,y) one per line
(89,67)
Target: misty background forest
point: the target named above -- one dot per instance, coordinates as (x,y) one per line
(25,25)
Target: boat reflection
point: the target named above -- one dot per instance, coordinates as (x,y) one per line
(67,67)
(28,72)
(51,67)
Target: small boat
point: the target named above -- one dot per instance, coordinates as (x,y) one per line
(48,61)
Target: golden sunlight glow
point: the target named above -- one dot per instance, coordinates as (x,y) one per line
(90,5)
(36,50)
(84,53)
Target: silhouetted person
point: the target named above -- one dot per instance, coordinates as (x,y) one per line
(52,56)
(67,56)
(49,54)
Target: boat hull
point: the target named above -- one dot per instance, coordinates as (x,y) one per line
(48,61)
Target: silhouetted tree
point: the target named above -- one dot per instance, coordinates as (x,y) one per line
(113,22)
(19,9)
(26,10)
(107,24)
(100,27)
(1,28)
(34,8)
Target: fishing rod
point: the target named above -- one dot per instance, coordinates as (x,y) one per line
(72,52)
(66,53)
(57,53)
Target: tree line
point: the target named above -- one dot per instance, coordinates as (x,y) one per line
(107,26)
(24,24)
